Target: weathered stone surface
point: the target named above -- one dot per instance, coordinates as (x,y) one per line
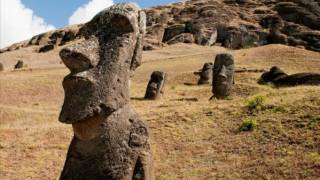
(182,38)
(155,88)
(306,12)
(223,75)
(173,31)
(277,77)
(110,140)
(46,48)
(290,22)
(205,74)
(154,36)
(19,65)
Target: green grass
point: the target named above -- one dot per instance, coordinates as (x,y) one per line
(248,124)
(257,103)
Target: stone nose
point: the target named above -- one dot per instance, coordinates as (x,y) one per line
(80,56)
(223,72)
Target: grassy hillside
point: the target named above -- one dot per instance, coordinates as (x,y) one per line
(192,138)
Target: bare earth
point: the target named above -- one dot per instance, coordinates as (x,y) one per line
(192,138)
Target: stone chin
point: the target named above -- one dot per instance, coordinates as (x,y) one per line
(222,90)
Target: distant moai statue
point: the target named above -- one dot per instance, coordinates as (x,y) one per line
(18,65)
(223,75)
(110,140)
(205,74)
(1,67)
(155,88)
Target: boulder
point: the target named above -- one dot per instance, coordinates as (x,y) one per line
(46,48)
(173,31)
(182,38)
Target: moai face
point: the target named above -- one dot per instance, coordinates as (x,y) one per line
(223,74)
(205,74)
(101,64)
(156,85)
(272,75)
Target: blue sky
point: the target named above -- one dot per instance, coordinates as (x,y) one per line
(57,12)
(22,19)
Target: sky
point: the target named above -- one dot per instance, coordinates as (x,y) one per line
(22,19)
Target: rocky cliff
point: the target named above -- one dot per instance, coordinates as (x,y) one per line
(230,23)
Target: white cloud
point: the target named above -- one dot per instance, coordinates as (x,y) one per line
(18,23)
(86,12)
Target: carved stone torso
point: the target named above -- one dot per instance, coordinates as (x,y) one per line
(120,150)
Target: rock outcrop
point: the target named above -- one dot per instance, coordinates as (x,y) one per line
(231,23)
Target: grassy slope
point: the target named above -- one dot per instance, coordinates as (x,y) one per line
(192,138)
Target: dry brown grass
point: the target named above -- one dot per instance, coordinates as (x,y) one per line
(192,138)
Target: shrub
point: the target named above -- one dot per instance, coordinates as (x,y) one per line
(248,124)
(257,103)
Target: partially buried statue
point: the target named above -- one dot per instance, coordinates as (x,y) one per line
(279,78)
(205,74)
(223,76)
(155,88)
(110,140)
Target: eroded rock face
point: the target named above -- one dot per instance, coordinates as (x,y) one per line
(205,74)
(223,75)
(279,78)
(110,140)
(155,88)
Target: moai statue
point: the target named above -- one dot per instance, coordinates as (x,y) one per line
(223,75)
(156,85)
(205,74)
(279,78)
(18,65)
(110,140)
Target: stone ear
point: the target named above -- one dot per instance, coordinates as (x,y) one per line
(137,56)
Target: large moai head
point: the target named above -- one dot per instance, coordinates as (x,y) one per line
(102,63)
(223,75)
(156,85)
(205,74)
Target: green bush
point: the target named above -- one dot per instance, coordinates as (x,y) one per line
(257,103)
(248,124)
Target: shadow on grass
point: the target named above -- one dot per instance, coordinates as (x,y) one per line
(138,99)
